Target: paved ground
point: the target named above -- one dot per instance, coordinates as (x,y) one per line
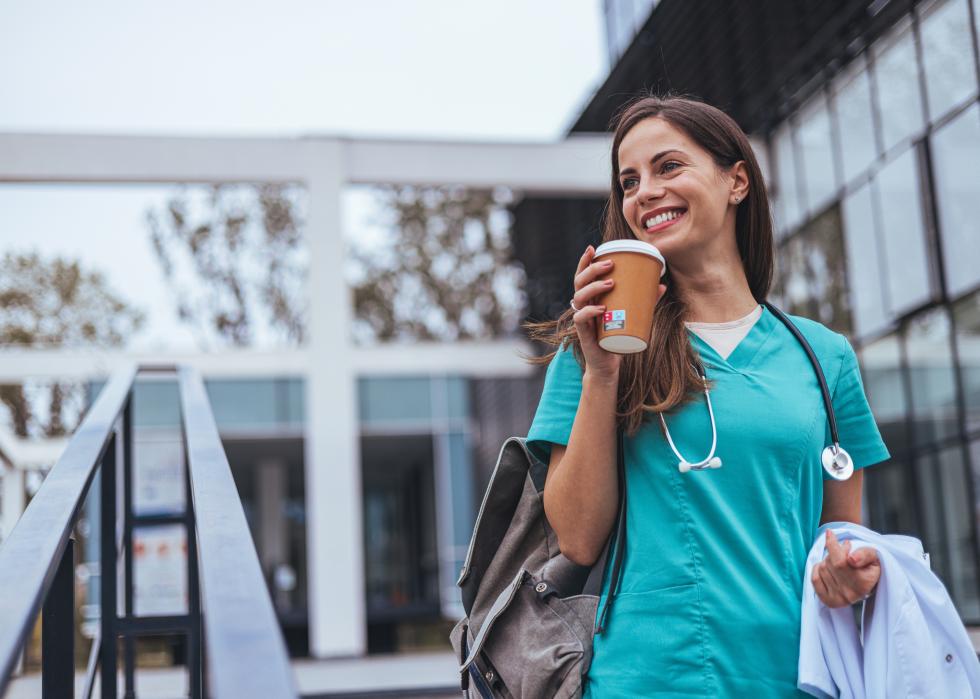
(419,676)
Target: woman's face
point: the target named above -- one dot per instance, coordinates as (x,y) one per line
(674,196)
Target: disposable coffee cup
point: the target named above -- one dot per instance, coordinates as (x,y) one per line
(627,324)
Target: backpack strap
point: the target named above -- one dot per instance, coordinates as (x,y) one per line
(616,542)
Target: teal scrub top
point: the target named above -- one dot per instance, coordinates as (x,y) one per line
(712,579)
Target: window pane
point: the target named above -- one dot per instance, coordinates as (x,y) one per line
(789,208)
(255,403)
(931,508)
(967,318)
(882,373)
(957,516)
(864,274)
(897,79)
(794,289)
(394,399)
(947,55)
(889,499)
(823,249)
(811,277)
(955,153)
(855,124)
(903,233)
(931,377)
(820,181)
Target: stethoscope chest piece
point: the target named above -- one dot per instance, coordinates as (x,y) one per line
(837,462)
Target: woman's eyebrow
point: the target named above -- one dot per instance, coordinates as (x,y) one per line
(658,156)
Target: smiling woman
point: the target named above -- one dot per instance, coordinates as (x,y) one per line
(707,602)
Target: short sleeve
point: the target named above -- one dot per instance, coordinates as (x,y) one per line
(856,425)
(558,404)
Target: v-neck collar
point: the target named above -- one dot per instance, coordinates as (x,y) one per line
(743,356)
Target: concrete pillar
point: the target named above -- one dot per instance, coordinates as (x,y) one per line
(335,552)
(12,506)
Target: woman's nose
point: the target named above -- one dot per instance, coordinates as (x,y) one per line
(650,189)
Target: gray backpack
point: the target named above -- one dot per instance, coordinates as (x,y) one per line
(531,613)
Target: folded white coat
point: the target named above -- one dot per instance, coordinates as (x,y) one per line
(913,643)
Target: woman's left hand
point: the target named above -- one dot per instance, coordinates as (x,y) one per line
(843,578)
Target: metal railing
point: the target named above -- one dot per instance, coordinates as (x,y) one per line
(229,609)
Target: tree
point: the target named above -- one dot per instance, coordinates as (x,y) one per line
(232,258)
(55,303)
(445,272)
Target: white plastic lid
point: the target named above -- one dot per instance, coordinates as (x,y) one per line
(631,246)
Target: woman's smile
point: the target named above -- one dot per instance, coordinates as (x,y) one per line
(655,223)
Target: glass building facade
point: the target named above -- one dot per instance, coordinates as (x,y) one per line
(870,117)
(874,174)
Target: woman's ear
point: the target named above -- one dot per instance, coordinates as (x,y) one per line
(739,175)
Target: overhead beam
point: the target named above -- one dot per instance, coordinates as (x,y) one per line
(579,164)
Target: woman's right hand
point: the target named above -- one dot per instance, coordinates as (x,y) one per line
(598,361)
(588,286)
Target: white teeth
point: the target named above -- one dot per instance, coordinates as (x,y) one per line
(660,218)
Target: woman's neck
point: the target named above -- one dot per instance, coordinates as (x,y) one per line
(714,294)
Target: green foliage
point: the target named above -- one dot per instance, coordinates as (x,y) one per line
(235,261)
(445,273)
(54,303)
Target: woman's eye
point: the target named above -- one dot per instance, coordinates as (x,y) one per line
(627,181)
(668,163)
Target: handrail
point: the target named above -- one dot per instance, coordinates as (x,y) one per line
(229,603)
(30,555)
(240,627)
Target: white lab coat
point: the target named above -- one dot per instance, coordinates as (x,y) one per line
(912,645)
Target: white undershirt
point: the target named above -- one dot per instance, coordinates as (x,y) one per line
(723,338)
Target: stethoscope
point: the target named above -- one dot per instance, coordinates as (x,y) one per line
(836,461)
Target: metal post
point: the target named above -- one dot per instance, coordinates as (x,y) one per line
(58,631)
(129,642)
(195,639)
(108,567)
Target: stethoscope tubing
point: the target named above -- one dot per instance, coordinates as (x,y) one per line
(828,404)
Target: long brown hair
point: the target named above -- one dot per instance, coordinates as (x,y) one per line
(662,377)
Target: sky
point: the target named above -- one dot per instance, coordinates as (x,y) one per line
(510,70)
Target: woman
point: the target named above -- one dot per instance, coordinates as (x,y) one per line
(709,601)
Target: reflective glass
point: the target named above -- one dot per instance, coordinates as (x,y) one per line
(966,315)
(823,255)
(957,515)
(817,152)
(459,398)
(889,495)
(811,278)
(789,208)
(931,506)
(262,403)
(864,274)
(947,56)
(855,124)
(897,82)
(793,287)
(394,399)
(156,405)
(903,233)
(882,373)
(955,154)
(931,378)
